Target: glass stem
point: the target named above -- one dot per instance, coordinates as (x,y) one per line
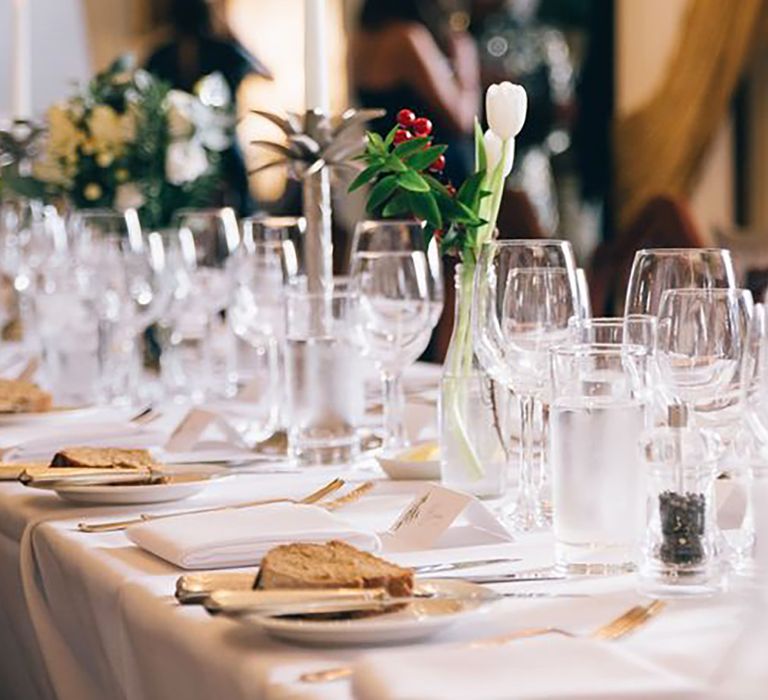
(525,507)
(394,410)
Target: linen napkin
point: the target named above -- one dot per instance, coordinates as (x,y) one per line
(531,669)
(241,536)
(82,434)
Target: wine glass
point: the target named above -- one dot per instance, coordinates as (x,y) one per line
(525,294)
(633,329)
(395,275)
(702,335)
(585,302)
(656,270)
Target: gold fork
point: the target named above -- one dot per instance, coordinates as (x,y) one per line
(616,628)
(354,495)
(116,525)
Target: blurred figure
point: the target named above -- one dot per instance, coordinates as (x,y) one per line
(200,45)
(416,54)
(516,45)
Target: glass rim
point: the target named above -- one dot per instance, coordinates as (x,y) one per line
(677,251)
(608,320)
(715,291)
(535,242)
(275,221)
(389,222)
(597,349)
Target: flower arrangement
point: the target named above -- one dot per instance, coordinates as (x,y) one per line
(405,168)
(130,141)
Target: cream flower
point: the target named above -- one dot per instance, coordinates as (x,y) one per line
(180,106)
(63,135)
(185,161)
(92,191)
(107,129)
(506,105)
(128,196)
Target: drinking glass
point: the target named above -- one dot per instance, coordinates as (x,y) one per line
(585,302)
(597,416)
(525,293)
(197,344)
(634,329)
(656,270)
(324,378)
(702,334)
(87,227)
(396,276)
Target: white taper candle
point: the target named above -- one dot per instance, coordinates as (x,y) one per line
(315,56)
(22,60)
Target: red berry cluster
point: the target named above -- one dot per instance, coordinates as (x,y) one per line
(411,127)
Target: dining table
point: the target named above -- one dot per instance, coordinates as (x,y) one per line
(87,615)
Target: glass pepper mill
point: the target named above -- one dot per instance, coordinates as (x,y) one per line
(680,552)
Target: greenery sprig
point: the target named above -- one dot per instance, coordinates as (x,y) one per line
(404,187)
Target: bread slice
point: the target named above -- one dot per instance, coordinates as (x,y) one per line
(18,396)
(331,565)
(103,458)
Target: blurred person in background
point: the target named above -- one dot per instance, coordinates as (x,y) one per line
(201,44)
(516,45)
(417,55)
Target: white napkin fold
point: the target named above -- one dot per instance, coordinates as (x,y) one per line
(533,669)
(84,435)
(241,537)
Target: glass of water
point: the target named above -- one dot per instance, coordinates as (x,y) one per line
(324,401)
(597,416)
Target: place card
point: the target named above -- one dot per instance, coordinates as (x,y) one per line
(430,520)
(187,433)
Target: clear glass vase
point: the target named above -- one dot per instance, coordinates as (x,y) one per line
(472,409)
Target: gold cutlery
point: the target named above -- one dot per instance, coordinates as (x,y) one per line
(116,525)
(354,495)
(619,627)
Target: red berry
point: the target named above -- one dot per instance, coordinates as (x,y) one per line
(422,127)
(438,234)
(402,135)
(439,164)
(451,189)
(405,117)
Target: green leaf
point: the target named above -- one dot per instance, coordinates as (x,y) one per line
(481,161)
(381,190)
(407,147)
(423,159)
(435,185)
(425,207)
(391,136)
(365,176)
(397,206)
(375,142)
(411,180)
(470,188)
(395,164)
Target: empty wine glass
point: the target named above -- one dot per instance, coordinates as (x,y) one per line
(396,277)
(655,270)
(585,302)
(634,329)
(702,335)
(525,294)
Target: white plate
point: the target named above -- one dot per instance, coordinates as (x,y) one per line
(54,415)
(416,621)
(194,479)
(401,469)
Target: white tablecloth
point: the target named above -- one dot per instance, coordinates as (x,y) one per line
(91,616)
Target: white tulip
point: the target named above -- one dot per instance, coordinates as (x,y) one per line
(185,161)
(505,107)
(493,149)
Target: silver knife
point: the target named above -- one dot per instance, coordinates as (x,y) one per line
(458,565)
(548,575)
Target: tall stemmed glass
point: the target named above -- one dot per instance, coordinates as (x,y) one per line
(525,293)
(655,270)
(396,276)
(702,335)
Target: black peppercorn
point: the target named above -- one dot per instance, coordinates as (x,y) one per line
(682,527)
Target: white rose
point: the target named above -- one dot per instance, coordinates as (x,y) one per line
(128,196)
(493,150)
(505,107)
(185,161)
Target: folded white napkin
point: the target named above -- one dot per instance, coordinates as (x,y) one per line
(240,537)
(534,669)
(84,435)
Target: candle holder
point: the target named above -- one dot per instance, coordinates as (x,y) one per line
(316,145)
